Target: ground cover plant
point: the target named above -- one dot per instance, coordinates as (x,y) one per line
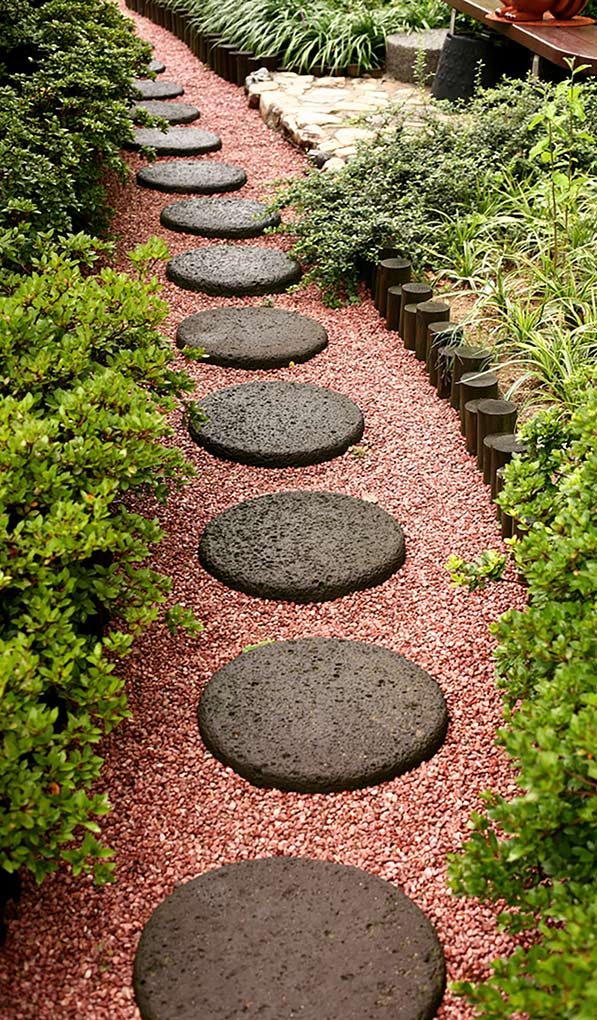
(330,34)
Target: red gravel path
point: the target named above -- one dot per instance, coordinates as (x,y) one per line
(177,812)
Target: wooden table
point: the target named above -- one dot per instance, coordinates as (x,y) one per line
(556,44)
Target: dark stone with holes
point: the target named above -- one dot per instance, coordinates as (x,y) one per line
(177,141)
(302,546)
(156,66)
(218,217)
(149,89)
(321,714)
(252,337)
(285,937)
(234,271)
(278,424)
(184,176)
(174,113)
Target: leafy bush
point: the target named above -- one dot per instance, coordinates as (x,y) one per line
(86,382)
(537,851)
(66,68)
(326,34)
(417,187)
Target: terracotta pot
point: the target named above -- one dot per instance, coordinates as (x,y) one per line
(525,10)
(567,8)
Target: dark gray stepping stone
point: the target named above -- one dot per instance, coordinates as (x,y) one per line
(149,89)
(302,546)
(175,113)
(320,714)
(177,141)
(285,937)
(156,66)
(277,424)
(183,176)
(252,337)
(218,217)
(234,271)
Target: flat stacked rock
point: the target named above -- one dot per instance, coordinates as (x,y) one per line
(174,113)
(252,337)
(302,546)
(277,424)
(233,271)
(176,141)
(184,176)
(319,715)
(218,217)
(149,89)
(283,937)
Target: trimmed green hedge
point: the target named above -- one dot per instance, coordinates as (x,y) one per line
(537,851)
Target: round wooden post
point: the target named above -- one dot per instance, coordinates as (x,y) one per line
(477,385)
(413,294)
(466,359)
(469,425)
(427,312)
(501,448)
(444,364)
(409,326)
(390,273)
(439,334)
(494,416)
(386,253)
(506,521)
(393,300)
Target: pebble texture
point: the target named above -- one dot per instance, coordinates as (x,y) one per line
(233,271)
(218,217)
(281,937)
(149,89)
(252,337)
(302,546)
(174,113)
(319,715)
(278,424)
(177,141)
(196,176)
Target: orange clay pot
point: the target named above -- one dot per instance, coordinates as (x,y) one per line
(567,8)
(526,10)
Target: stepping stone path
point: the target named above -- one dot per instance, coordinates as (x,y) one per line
(252,337)
(156,66)
(149,89)
(283,937)
(320,714)
(302,546)
(277,424)
(184,176)
(176,141)
(232,271)
(218,217)
(175,113)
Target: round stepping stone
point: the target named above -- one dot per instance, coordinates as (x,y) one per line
(252,337)
(156,66)
(218,217)
(192,176)
(149,89)
(278,424)
(177,141)
(234,271)
(287,937)
(302,546)
(319,715)
(174,113)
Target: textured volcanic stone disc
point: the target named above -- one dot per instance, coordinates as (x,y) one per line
(156,66)
(302,546)
(177,141)
(175,113)
(234,271)
(149,89)
(192,176)
(218,217)
(321,714)
(252,337)
(287,937)
(277,424)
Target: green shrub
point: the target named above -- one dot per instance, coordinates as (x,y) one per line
(410,186)
(537,851)
(66,68)
(86,383)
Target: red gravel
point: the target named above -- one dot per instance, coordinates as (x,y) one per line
(177,812)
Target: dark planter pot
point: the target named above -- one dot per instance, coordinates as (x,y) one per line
(464,61)
(413,293)
(494,417)
(428,312)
